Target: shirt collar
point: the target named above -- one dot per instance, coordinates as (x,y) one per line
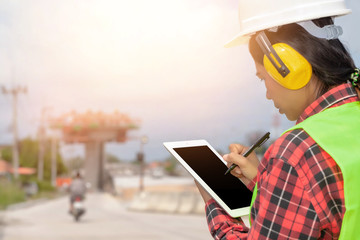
(335,96)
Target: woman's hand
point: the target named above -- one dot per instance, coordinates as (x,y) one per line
(246,168)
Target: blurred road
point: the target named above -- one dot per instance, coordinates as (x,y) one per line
(107,218)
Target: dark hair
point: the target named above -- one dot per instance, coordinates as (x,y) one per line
(331,62)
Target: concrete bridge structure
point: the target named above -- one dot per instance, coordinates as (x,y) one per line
(94,129)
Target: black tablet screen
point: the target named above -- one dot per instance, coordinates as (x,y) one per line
(211,170)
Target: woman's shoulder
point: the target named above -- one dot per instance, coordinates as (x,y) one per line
(292,146)
(296,148)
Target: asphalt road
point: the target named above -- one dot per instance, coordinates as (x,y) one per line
(106,218)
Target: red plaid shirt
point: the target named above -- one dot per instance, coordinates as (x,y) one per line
(300,187)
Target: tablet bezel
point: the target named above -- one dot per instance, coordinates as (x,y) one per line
(244,211)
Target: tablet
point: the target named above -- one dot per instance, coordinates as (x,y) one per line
(208,168)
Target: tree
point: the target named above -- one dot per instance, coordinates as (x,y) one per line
(28,156)
(6,154)
(110,158)
(171,165)
(74,164)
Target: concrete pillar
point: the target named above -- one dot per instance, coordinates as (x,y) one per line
(94,165)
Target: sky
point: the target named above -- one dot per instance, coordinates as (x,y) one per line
(159,61)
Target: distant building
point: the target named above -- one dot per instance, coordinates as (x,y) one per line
(6,168)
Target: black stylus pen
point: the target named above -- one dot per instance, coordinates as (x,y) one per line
(257,144)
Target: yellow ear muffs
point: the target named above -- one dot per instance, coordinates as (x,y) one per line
(300,68)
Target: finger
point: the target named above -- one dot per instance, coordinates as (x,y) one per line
(229,162)
(236,172)
(248,169)
(228,165)
(237,148)
(237,159)
(242,177)
(226,158)
(238,176)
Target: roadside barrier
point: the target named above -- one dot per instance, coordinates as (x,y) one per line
(168,202)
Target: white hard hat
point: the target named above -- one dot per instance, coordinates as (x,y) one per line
(257,15)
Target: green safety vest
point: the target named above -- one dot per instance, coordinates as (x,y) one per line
(337,131)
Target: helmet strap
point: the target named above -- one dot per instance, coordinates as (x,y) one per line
(327,32)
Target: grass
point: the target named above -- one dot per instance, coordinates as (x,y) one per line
(10,193)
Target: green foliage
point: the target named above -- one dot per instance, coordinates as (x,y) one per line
(60,166)
(110,158)
(29,154)
(6,154)
(10,193)
(170,165)
(75,164)
(45,186)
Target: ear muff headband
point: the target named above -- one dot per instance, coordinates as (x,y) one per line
(284,64)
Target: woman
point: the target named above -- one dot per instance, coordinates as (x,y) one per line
(307,179)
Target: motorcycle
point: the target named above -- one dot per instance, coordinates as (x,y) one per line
(78,208)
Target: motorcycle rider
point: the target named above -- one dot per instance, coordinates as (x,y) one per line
(77,189)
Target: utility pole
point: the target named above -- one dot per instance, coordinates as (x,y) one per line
(41,135)
(14,92)
(53,159)
(140,157)
(42,139)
